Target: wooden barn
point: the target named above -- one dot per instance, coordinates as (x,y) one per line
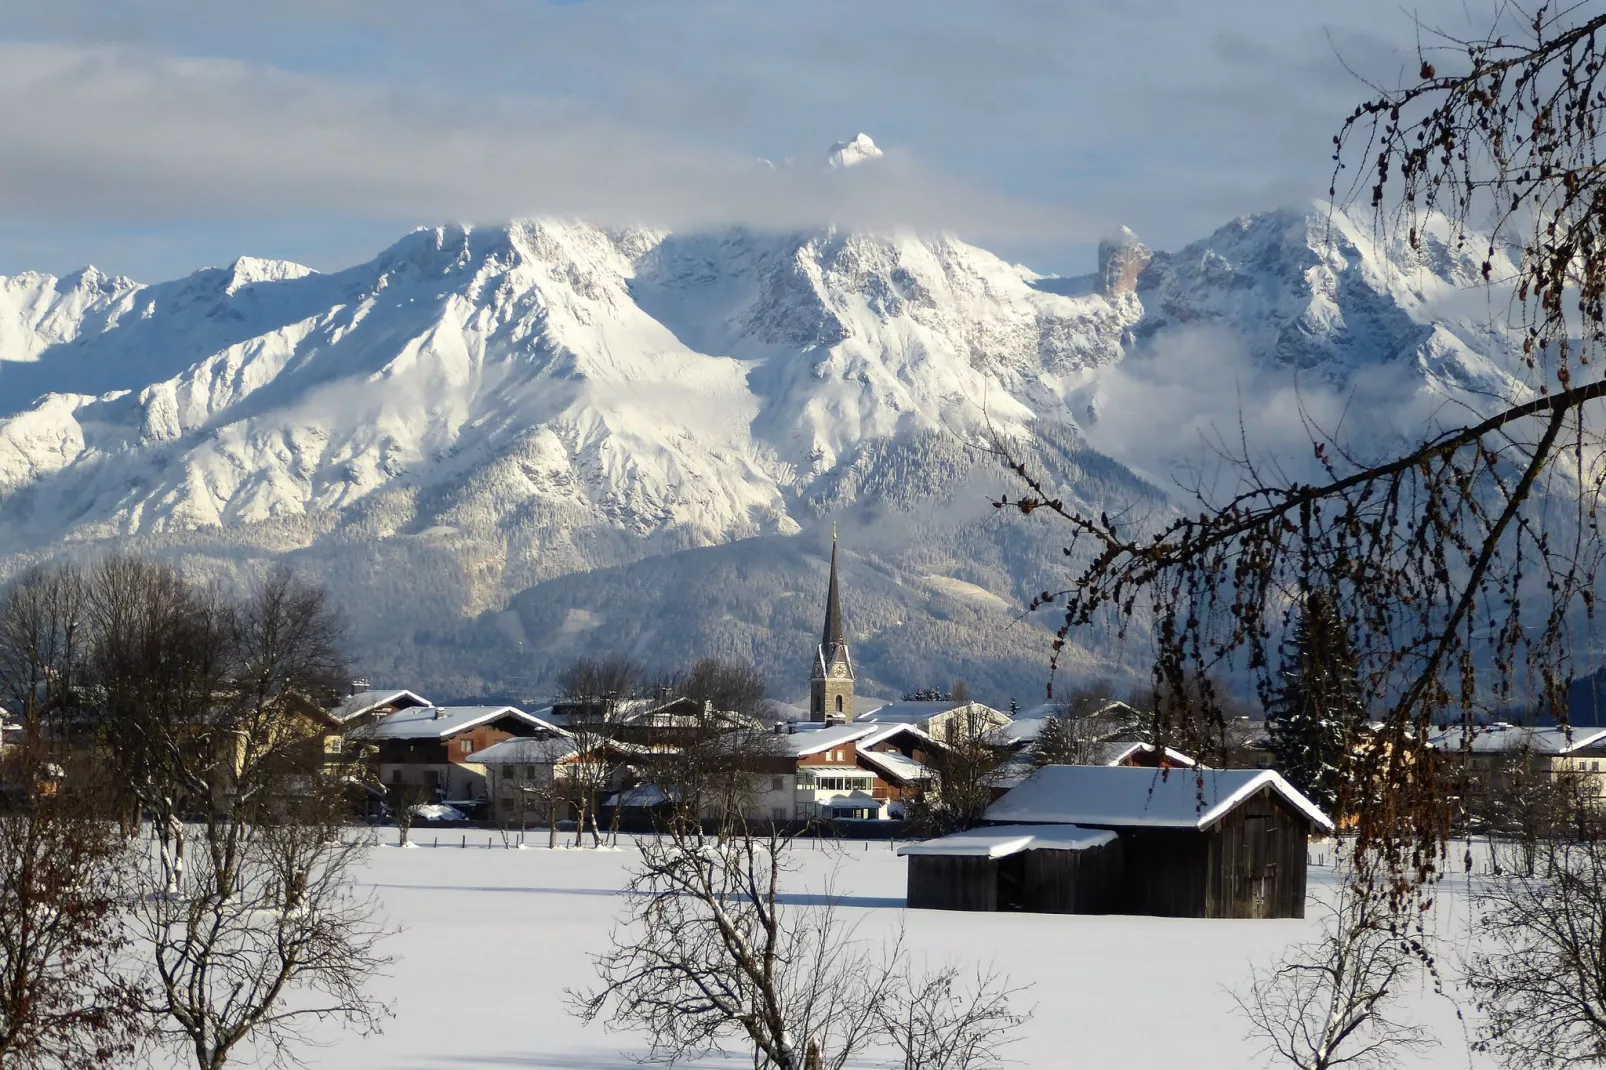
(1198,843)
(1047,869)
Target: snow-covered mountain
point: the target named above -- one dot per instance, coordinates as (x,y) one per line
(504,445)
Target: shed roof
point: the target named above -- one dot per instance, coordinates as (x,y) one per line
(997,841)
(1121,796)
(438,722)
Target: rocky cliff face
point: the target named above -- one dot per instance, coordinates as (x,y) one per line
(644,433)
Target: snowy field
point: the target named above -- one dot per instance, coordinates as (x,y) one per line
(493,936)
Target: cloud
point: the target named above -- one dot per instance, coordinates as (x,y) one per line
(1025,125)
(114,132)
(1217,404)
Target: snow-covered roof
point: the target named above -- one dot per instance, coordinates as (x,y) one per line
(1510,738)
(438,722)
(919,712)
(804,742)
(364,701)
(1120,796)
(1116,753)
(997,841)
(895,764)
(1022,729)
(640,795)
(523,750)
(880,733)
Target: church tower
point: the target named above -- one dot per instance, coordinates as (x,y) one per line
(831,684)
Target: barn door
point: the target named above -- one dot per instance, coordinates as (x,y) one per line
(1257,869)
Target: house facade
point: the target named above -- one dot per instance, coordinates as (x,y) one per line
(427,752)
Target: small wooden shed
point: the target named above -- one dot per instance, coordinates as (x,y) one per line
(1047,869)
(1201,843)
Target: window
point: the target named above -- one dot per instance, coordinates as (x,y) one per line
(778,813)
(529,772)
(777,783)
(839,704)
(465,746)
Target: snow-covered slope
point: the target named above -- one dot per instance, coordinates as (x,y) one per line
(477,412)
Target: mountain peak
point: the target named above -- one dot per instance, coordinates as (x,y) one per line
(853,152)
(248,270)
(1121,260)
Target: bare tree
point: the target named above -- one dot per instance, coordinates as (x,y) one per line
(709,763)
(943,1022)
(405,798)
(1540,979)
(1463,562)
(64,878)
(265,935)
(42,644)
(734,689)
(961,784)
(591,680)
(710,956)
(1334,1002)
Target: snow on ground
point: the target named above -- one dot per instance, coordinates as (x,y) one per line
(493,937)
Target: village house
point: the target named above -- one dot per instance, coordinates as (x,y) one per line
(534,779)
(841,772)
(940,720)
(429,751)
(1186,843)
(664,720)
(1501,758)
(363,707)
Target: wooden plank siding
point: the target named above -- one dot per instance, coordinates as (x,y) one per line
(949,882)
(1250,864)
(1256,864)
(1088,881)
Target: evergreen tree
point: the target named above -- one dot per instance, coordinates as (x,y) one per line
(1056,741)
(1316,708)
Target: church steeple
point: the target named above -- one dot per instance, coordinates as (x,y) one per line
(832,637)
(831,683)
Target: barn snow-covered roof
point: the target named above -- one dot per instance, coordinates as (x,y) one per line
(1122,796)
(997,841)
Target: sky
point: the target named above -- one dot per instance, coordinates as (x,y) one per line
(154,137)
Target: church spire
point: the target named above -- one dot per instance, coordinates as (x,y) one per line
(831,683)
(832,637)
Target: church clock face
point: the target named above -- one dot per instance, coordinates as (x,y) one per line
(839,670)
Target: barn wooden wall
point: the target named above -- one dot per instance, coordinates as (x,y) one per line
(947,882)
(1073,882)
(1257,861)
(1251,864)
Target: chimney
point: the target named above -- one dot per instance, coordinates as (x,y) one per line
(780,728)
(439,713)
(791,728)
